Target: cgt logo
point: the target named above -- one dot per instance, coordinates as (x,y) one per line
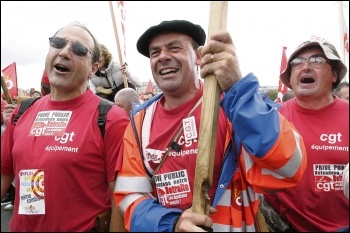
(331,138)
(326,184)
(38,129)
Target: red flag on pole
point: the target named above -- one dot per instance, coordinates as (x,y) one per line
(149,87)
(10,76)
(281,87)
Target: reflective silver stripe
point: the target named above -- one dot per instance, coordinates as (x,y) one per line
(146,131)
(133,185)
(222,228)
(227,228)
(248,162)
(225,199)
(288,170)
(129,199)
(250,228)
(246,197)
(292,166)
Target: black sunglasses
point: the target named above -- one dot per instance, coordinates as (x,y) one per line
(78,49)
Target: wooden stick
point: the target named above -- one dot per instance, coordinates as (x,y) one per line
(6,91)
(209,121)
(120,54)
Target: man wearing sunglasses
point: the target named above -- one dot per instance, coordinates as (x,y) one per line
(317,203)
(57,142)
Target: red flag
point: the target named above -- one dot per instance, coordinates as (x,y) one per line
(122,8)
(344,34)
(10,76)
(149,87)
(281,87)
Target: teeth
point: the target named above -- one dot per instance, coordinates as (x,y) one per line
(167,71)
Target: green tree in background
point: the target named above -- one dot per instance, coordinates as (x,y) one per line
(273,95)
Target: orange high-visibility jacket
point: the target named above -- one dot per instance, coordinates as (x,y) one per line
(271,156)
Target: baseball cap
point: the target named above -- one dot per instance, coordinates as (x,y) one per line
(182,26)
(329,51)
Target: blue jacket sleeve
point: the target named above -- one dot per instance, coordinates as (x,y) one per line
(254,119)
(150,216)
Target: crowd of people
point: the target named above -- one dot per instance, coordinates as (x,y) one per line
(140,174)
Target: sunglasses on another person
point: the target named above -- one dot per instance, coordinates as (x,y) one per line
(77,48)
(315,62)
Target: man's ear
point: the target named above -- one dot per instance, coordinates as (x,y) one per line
(198,58)
(94,67)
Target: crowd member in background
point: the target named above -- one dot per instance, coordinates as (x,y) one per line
(45,89)
(8,195)
(317,203)
(3,124)
(342,91)
(127,99)
(9,109)
(36,94)
(155,185)
(6,114)
(58,139)
(288,95)
(108,79)
(148,95)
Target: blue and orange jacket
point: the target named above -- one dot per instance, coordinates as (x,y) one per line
(271,156)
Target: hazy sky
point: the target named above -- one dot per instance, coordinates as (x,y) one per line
(259,31)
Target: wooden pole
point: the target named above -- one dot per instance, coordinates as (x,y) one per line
(120,54)
(209,121)
(6,91)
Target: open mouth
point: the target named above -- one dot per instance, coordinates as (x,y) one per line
(168,71)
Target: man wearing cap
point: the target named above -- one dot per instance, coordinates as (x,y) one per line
(154,187)
(317,203)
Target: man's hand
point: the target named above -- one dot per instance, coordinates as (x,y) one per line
(124,69)
(101,89)
(192,222)
(219,58)
(9,108)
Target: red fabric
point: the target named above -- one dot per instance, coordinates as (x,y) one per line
(45,79)
(80,158)
(281,87)
(326,208)
(3,103)
(149,87)
(10,76)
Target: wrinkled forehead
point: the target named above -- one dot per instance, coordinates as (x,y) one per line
(76,34)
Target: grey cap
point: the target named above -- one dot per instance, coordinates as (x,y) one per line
(328,49)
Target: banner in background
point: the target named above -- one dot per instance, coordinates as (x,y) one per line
(281,87)
(10,76)
(149,87)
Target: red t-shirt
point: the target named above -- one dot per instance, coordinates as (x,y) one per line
(318,203)
(60,143)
